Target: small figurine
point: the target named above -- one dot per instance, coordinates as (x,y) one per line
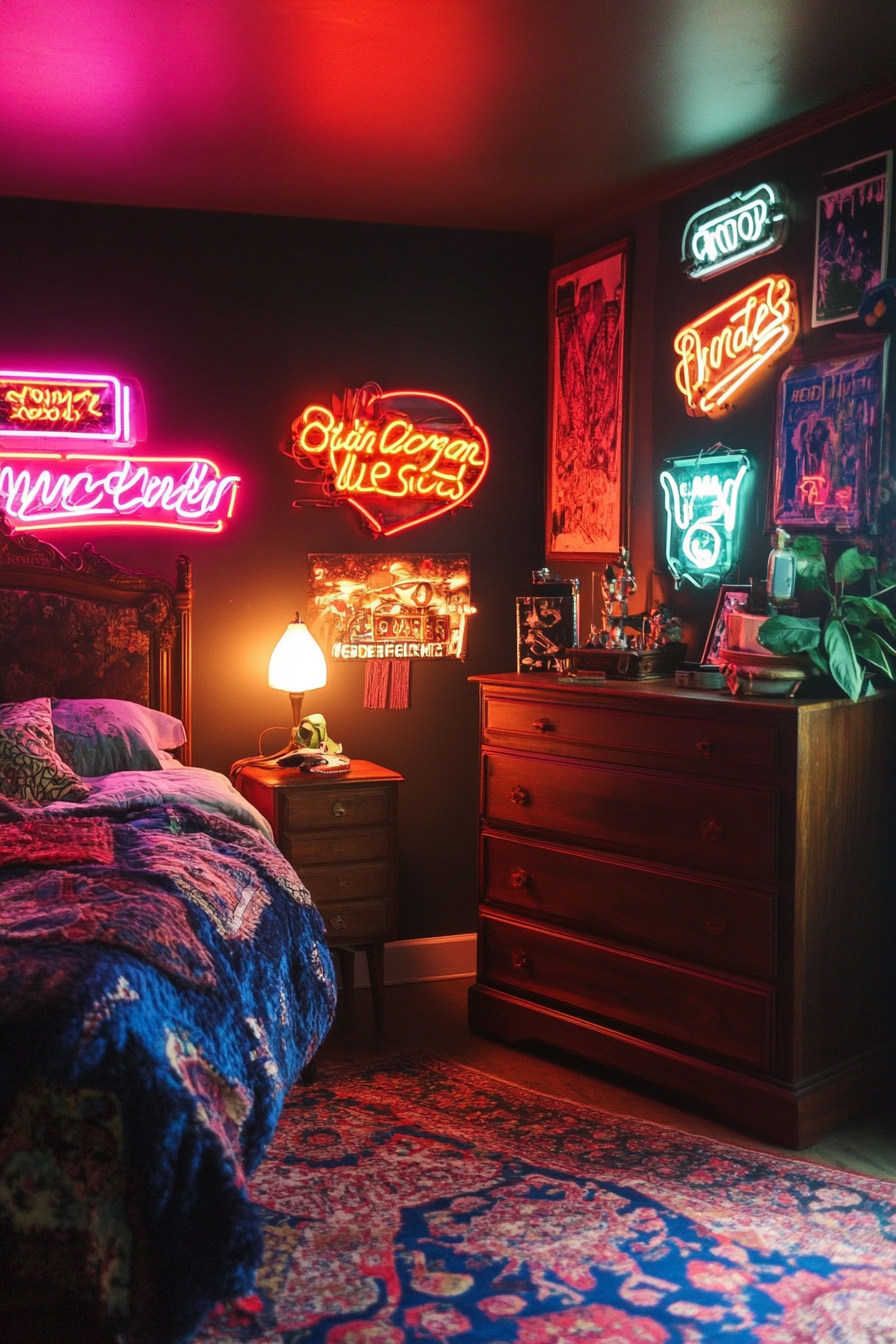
(664,628)
(617,586)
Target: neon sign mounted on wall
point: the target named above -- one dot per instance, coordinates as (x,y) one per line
(737,229)
(399,458)
(726,347)
(45,485)
(704,498)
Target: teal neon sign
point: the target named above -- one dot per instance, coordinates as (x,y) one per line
(705,498)
(729,232)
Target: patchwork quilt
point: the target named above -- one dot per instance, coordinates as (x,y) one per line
(164,980)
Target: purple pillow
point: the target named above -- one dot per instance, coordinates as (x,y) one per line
(31,770)
(97,737)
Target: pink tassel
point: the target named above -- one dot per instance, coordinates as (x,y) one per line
(376,684)
(400,690)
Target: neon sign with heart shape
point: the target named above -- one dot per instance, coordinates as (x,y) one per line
(399,458)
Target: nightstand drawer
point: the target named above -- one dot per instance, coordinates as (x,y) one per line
(357,921)
(311,809)
(313,847)
(348,881)
(705,922)
(673,819)
(712,1014)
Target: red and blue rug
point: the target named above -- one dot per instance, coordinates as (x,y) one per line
(411,1199)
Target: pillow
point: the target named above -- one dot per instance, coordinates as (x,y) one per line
(97,737)
(30,767)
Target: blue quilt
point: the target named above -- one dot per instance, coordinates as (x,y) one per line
(175,964)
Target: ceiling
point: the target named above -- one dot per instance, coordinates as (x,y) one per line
(512,114)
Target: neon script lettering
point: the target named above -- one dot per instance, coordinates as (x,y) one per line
(59,490)
(51,405)
(730,232)
(731,344)
(71,406)
(703,503)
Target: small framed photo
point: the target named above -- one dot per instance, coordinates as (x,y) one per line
(732,597)
(545,626)
(851,233)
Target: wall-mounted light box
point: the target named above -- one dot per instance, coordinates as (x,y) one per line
(735,230)
(705,498)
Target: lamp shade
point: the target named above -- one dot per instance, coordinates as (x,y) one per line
(297,663)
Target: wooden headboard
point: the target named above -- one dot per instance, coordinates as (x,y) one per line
(80,626)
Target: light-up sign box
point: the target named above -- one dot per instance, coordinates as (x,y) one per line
(725,348)
(737,229)
(44,485)
(399,458)
(705,498)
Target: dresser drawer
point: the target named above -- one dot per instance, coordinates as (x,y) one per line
(699,921)
(310,809)
(673,819)
(636,992)
(572,730)
(335,846)
(348,881)
(357,921)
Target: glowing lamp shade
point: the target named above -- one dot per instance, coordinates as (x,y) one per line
(297,665)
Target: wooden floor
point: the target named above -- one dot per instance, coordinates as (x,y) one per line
(433,1016)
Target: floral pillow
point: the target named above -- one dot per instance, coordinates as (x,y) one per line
(98,737)
(31,770)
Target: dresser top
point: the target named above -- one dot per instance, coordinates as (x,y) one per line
(360,772)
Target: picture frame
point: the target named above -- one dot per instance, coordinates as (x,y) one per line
(826,460)
(732,597)
(852,226)
(546,625)
(587,460)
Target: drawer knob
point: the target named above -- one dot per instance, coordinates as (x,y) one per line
(518,959)
(519,795)
(543,726)
(337,922)
(339,809)
(714,924)
(706,748)
(712,829)
(519,877)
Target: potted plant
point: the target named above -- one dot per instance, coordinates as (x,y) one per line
(850,643)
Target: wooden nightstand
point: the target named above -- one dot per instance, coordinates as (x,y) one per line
(339,832)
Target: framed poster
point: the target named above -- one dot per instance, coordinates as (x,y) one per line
(547,622)
(732,597)
(852,225)
(586,470)
(827,454)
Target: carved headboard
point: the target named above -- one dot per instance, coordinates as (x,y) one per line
(80,626)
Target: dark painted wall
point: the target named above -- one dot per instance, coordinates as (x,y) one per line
(233,324)
(664,299)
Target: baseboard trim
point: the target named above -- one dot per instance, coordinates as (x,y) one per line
(415,959)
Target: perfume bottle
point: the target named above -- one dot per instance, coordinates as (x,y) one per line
(781,581)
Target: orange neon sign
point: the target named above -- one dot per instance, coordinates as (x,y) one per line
(726,347)
(399,458)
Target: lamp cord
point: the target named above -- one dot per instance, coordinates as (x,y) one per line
(239,766)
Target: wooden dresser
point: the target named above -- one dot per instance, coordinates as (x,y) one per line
(691,888)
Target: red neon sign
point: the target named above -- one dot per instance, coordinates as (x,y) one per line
(399,458)
(93,407)
(726,347)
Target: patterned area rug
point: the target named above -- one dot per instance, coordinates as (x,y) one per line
(411,1199)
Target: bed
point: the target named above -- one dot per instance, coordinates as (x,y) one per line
(164,977)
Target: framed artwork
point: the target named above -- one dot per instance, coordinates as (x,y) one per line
(732,597)
(586,472)
(545,626)
(852,225)
(827,454)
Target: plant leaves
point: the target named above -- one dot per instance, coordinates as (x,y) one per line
(842,656)
(811,571)
(873,650)
(862,610)
(818,658)
(807,545)
(851,565)
(789,634)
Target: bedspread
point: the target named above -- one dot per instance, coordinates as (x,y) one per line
(175,970)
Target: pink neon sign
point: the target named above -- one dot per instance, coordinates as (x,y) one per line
(44,487)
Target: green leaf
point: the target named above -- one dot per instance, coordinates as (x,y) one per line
(789,634)
(863,610)
(873,650)
(842,656)
(808,545)
(810,571)
(818,658)
(851,565)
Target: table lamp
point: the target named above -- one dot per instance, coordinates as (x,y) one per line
(297,665)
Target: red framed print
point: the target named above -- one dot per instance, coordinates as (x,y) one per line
(586,470)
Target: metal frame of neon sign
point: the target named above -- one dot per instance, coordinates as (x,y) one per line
(723,349)
(95,408)
(399,458)
(730,232)
(705,498)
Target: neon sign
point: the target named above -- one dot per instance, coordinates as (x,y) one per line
(399,458)
(726,347)
(737,229)
(704,498)
(95,407)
